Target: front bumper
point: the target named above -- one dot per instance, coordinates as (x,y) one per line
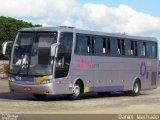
(35,89)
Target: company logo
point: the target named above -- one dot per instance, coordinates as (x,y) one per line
(82,63)
(143,68)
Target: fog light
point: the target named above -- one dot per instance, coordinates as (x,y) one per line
(11,79)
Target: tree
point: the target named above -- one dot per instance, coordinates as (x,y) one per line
(9,28)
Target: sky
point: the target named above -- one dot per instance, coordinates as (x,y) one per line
(135,17)
(146,6)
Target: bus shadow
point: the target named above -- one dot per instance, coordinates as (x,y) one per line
(15,96)
(49,98)
(29,97)
(112,95)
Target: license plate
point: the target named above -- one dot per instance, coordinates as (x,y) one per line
(27,89)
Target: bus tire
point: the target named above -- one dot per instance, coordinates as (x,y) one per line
(136,89)
(77,91)
(39,96)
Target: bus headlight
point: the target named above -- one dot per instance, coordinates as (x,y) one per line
(11,79)
(45,82)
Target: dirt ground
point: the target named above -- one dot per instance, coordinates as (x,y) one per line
(116,103)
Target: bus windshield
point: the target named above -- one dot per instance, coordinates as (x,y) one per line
(31,53)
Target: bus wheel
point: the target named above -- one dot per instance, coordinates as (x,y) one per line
(104,93)
(39,96)
(136,89)
(77,91)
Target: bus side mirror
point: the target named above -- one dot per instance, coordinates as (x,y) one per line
(4,46)
(53,49)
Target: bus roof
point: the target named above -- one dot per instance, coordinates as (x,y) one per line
(72,29)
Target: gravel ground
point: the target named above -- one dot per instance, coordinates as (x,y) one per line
(116,103)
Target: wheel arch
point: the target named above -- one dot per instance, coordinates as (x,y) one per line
(137,79)
(81,82)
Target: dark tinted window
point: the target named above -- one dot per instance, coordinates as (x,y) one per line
(141,49)
(66,41)
(151,49)
(144,49)
(64,55)
(82,44)
(127,47)
(114,50)
(98,45)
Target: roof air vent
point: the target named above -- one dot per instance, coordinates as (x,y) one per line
(66,27)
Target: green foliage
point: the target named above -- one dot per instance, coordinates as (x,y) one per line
(8,30)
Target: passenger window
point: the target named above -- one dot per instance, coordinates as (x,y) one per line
(144,49)
(114,47)
(141,48)
(126,48)
(154,50)
(98,45)
(127,45)
(151,49)
(82,44)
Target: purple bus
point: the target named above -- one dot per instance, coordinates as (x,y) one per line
(65,60)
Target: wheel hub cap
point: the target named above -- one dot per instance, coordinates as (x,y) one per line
(76,90)
(136,88)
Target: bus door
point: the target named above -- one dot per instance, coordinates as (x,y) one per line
(63,60)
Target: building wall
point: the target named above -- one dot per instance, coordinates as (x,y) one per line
(4,64)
